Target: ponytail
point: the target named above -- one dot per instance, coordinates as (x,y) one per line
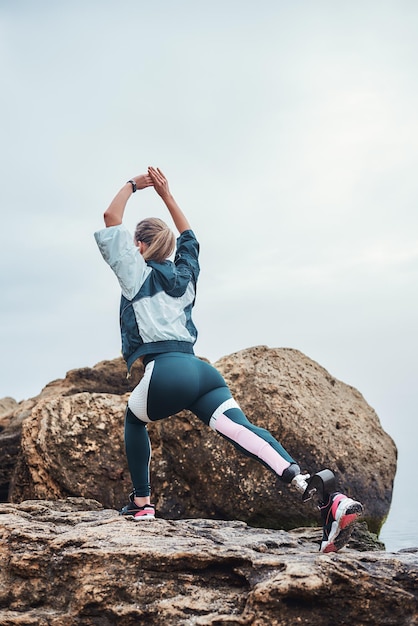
(159,238)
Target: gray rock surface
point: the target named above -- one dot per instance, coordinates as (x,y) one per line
(70,562)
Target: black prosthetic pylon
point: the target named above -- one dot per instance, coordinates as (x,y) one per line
(321,485)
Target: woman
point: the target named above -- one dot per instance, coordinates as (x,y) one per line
(156,327)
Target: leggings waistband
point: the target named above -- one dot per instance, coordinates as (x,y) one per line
(153,357)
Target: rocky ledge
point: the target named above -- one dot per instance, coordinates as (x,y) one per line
(72,562)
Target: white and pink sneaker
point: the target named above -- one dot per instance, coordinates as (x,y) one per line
(139,513)
(338,517)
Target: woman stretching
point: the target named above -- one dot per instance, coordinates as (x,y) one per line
(156,327)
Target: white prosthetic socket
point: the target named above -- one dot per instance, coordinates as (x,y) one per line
(300,482)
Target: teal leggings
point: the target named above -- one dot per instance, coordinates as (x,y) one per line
(175,381)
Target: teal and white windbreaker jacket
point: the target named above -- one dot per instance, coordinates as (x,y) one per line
(157,298)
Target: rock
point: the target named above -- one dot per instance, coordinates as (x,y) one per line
(105,377)
(16,473)
(71,562)
(6,407)
(72,444)
(12,415)
(320,420)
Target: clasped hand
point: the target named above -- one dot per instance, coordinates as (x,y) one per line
(154,178)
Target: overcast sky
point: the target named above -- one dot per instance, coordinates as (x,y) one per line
(288,132)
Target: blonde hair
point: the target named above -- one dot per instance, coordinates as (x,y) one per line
(159,238)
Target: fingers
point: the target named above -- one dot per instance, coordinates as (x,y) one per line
(152,174)
(157,175)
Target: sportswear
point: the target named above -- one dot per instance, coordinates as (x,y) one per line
(157,298)
(156,323)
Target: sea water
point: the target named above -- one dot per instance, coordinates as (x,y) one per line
(399,533)
(400,530)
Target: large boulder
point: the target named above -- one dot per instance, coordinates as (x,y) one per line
(72,444)
(70,562)
(71,436)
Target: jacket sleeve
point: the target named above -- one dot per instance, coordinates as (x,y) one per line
(187,255)
(120,253)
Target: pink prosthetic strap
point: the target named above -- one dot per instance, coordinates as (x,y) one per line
(248,440)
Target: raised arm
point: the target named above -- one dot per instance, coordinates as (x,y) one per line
(114,213)
(161,187)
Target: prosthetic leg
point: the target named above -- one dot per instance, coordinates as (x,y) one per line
(321,484)
(338,512)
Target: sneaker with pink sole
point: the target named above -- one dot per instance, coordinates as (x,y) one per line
(139,513)
(338,517)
